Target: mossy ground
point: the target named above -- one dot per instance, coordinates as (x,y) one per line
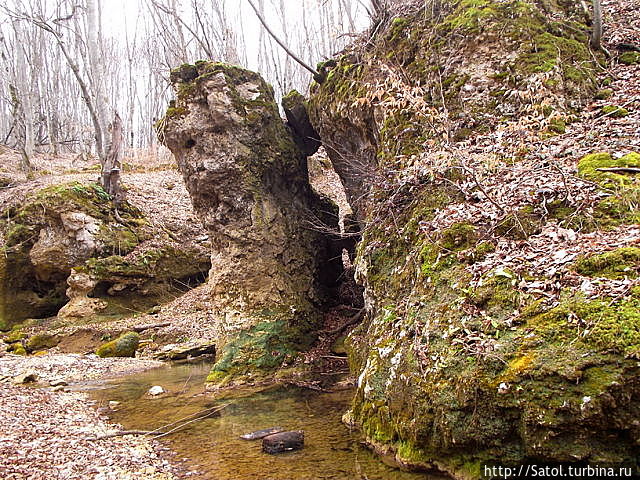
(620,206)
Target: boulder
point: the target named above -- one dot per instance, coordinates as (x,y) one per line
(123,346)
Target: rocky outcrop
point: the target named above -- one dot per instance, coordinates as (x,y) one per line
(248,183)
(304,134)
(67,242)
(458,364)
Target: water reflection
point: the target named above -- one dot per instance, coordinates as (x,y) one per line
(212,445)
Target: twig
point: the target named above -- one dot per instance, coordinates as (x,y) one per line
(142,328)
(280,42)
(122,434)
(620,169)
(157,433)
(350,321)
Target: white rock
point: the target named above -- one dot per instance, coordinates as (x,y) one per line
(26,377)
(156,390)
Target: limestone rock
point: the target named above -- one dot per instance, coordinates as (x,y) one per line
(29,376)
(249,185)
(156,390)
(304,134)
(60,247)
(544,390)
(80,305)
(181,351)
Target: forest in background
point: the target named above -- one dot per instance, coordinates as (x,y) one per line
(67,67)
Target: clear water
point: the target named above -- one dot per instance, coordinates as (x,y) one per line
(212,446)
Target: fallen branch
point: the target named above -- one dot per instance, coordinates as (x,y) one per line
(350,321)
(158,433)
(122,434)
(142,328)
(620,169)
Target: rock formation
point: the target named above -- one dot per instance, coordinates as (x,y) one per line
(457,366)
(66,242)
(248,183)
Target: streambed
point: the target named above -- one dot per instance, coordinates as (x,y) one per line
(212,446)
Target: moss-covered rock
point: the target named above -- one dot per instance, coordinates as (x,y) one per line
(507,46)
(604,94)
(252,355)
(123,346)
(616,264)
(249,184)
(630,58)
(42,341)
(614,111)
(456,372)
(75,226)
(54,229)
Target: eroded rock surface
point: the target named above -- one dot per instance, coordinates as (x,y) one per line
(459,363)
(248,183)
(66,242)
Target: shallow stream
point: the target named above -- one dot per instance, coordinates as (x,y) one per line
(212,446)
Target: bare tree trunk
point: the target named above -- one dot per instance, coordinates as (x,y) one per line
(97,80)
(596,34)
(113,161)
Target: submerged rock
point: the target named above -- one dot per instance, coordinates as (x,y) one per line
(123,346)
(283,442)
(156,390)
(248,183)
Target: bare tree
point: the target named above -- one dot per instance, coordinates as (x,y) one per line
(54,52)
(596,34)
(113,160)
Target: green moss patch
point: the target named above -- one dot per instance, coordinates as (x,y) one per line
(614,111)
(261,349)
(589,166)
(604,94)
(630,58)
(42,341)
(123,346)
(617,264)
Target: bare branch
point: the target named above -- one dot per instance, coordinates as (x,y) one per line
(280,42)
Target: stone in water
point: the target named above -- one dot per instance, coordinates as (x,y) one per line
(283,442)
